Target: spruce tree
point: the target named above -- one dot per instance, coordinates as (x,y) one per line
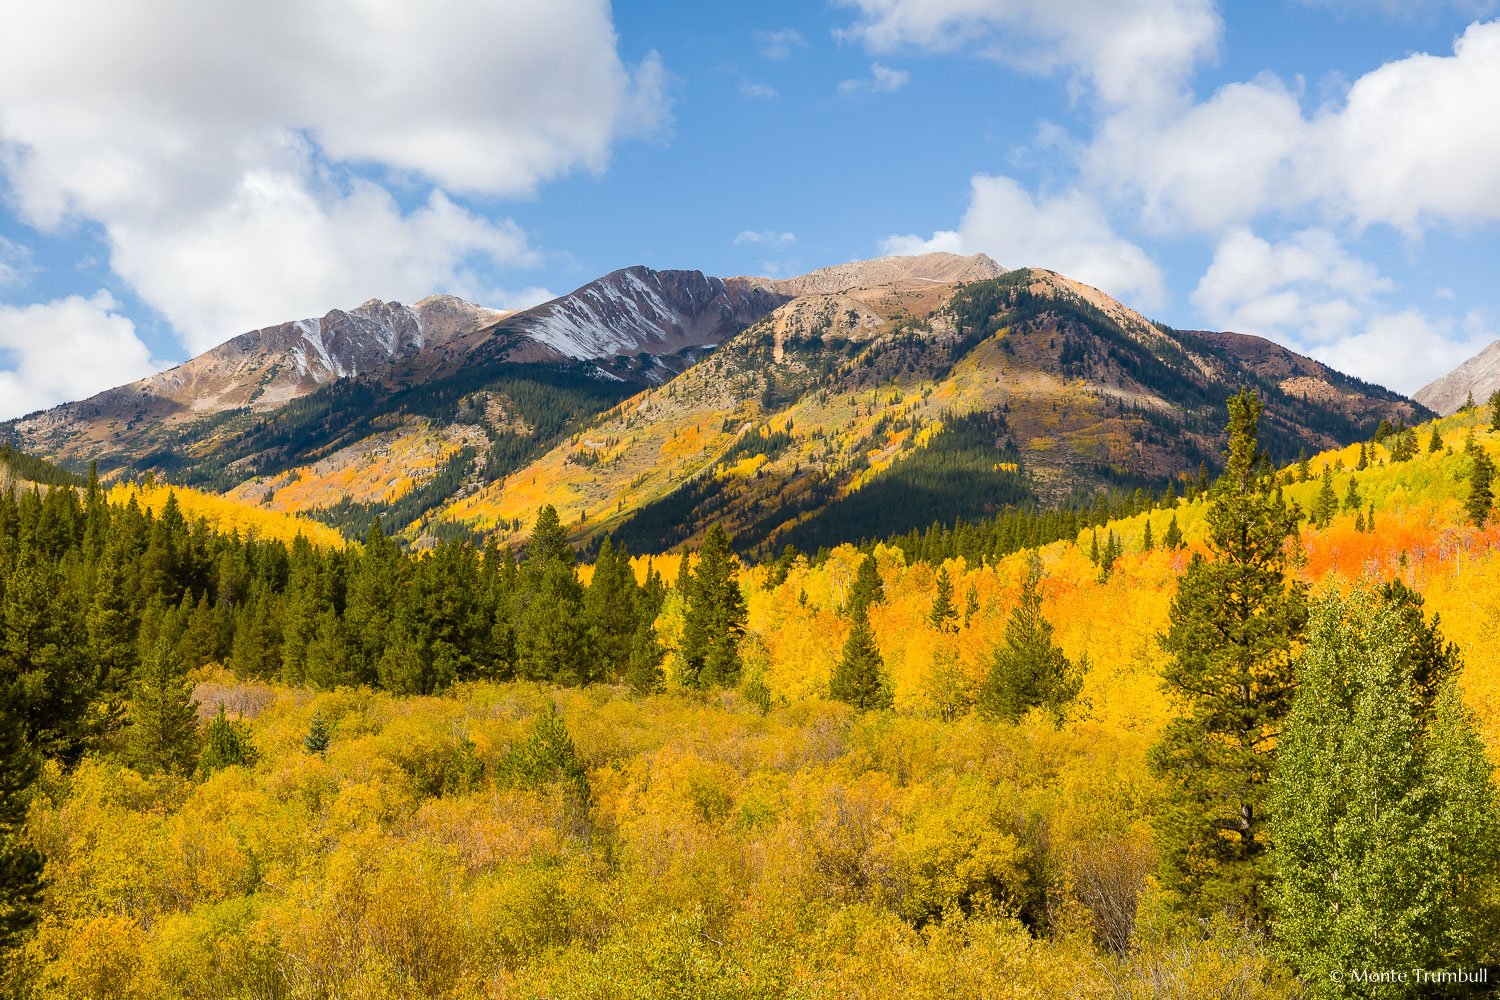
(1231,629)
(714,616)
(1468,404)
(163,736)
(1028,669)
(1147,542)
(868,588)
(1495,410)
(111,624)
(318,737)
(1370,519)
(20,863)
(1094,553)
(1435,445)
(553,638)
(1173,537)
(1384,814)
(1364,459)
(1481,498)
(226,743)
(1304,467)
(644,673)
(1352,499)
(943,612)
(859,677)
(1327,502)
(1113,549)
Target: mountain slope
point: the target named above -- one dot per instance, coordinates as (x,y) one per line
(859,399)
(875,410)
(1479,376)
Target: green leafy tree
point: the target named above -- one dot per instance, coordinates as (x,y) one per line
(1229,667)
(163,735)
(1384,813)
(859,677)
(226,743)
(1027,668)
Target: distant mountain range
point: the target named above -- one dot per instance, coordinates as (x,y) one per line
(860,399)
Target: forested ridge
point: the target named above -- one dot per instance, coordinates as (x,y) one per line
(241,766)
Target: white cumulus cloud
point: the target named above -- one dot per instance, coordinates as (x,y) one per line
(1068,233)
(70,348)
(882,80)
(1127,51)
(241,159)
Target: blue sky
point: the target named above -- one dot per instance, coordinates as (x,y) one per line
(1325,174)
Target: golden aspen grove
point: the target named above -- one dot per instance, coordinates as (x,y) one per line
(751,838)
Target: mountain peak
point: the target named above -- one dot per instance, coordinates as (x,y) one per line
(1479,375)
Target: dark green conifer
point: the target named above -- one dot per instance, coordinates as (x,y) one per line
(1173,538)
(943,612)
(318,737)
(163,735)
(859,677)
(1435,445)
(1147,542)
(21,864)
(1229,644)
(1028,669)
(1352,499)
(868,589)
(226,743)
(714,617)
(1481,498)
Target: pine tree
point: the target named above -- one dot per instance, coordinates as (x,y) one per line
(1327,502)
(1113,549)
(868,589)
(1147,542)
(1094,553)
(111,624)
(943,612)
(1352,499)
(1481,498)
(859,677)
(45,675)
(1468,405)
(714,617)
(1435,445)
(1364,459)
(1370,519)
(1231,629)
(226,743)
(1304,467)
(1383,431)
(644,674)
(163,735)
(1384,816)
(1495,410)
(1359,520)
(1028,669)
(318,737)
(553,638)
(1173,538)
(20,863)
